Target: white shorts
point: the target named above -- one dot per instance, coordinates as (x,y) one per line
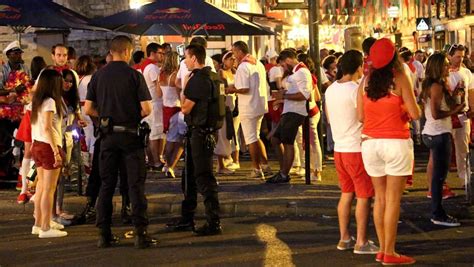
(155,120)
(251,128)
(392,157)
(177,128)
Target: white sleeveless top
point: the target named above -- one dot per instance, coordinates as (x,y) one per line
(436,127)
(170,95)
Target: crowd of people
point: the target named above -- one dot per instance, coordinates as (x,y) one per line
(370,110)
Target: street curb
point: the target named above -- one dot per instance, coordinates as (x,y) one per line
(229,208)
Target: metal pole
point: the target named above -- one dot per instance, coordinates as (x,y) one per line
(313,15)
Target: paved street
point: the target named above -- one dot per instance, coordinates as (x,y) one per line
(264,225)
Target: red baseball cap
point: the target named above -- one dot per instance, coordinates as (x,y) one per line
(381,53)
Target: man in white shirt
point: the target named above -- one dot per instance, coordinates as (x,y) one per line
(151,73)
(341,107)
(300,86)
(251,87)
(183,73)
(461,77)
(420,70)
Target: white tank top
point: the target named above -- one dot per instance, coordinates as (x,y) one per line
(436,127)
(170,95)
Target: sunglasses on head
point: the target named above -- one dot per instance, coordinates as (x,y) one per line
(455,47)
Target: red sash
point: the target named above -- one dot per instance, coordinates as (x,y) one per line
(312,112)
(145,63)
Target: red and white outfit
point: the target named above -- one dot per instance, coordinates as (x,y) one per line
(461,129)
(252,105)
(151,72)
(42,152)
(173,122)
(388,148)
(341,105)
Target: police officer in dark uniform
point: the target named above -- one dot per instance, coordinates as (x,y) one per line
(200,145)
(118,95)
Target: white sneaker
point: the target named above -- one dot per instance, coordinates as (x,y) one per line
(233,166)
(256,173)
(55,225)
(52,233)
(35,230)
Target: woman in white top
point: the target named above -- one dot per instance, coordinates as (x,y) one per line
(85,68)
(173,123)
(439,105)
(227,147)
(46,118)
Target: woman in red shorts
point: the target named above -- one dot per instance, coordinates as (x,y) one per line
(46,116)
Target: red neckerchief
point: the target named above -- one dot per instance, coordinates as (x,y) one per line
(250,59)
(411,65)
(301,65)
(61,68)
(312,112)
(145,63)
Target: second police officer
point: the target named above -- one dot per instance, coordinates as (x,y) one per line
(200,143)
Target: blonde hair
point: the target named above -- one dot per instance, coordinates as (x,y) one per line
(171,63)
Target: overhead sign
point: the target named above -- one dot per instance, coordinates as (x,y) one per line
(393,11)
(423,24)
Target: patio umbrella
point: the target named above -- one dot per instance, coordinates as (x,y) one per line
(21,14)
(180,17)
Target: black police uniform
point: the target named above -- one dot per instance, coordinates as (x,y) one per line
(200,144)
(117,90)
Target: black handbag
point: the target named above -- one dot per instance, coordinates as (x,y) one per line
(229,124)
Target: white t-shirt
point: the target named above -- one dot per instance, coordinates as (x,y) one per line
(151,74)
(183,71)
(420,69)
(254,77)
(38,126)
(274,73)
(299,82)
(341,105)
(462,74)
(82,88)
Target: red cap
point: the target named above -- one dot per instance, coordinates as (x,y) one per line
(381,53)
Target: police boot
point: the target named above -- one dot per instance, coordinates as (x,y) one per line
(143,240)
(106,238)
(126,213)
(88,214)
(209,228)
(181,224)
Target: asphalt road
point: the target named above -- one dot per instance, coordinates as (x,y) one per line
(247,241)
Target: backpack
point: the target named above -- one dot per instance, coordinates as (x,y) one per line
(216,105)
